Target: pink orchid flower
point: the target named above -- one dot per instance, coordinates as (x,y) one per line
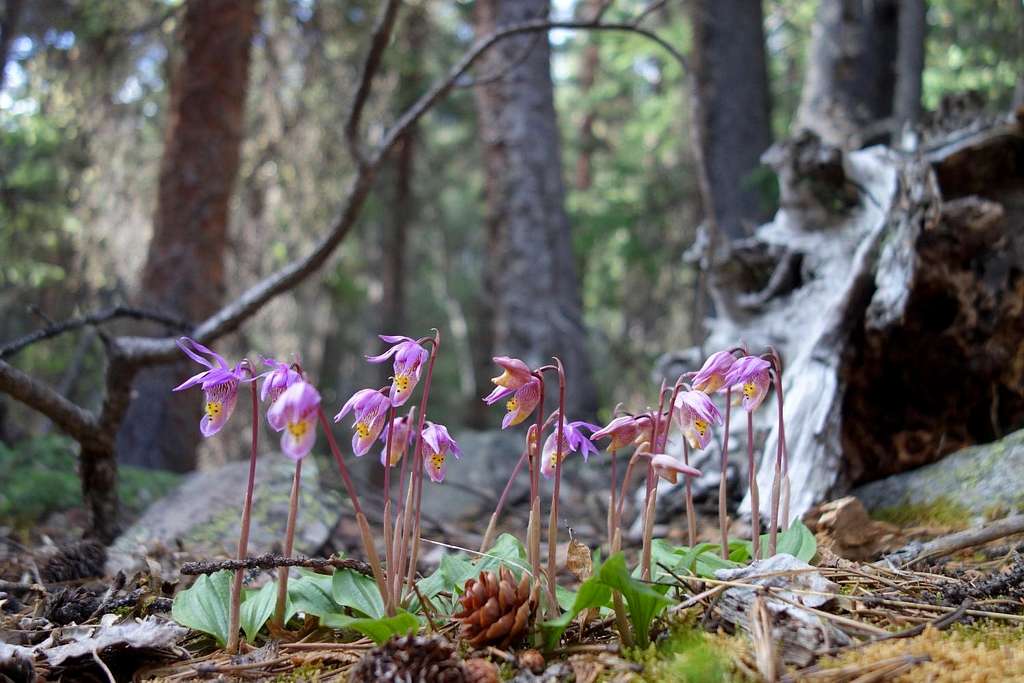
(669,468)
(409,359)
(751,377)
(573,440)
(696,414)
(296,410)
(438,443)
(274,384)
(623,430)
(371,413)
(404,434)
(711,376)
(220,385)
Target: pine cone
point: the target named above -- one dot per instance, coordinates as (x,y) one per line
(416,659)
(81,560)
(495,611)
(481,671)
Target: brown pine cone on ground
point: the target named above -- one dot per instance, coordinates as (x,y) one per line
(496,611)
(480,670)
(411,659)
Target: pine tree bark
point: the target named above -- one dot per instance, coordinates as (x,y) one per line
(913,28)
(851,73)
(732,110)
(537,306)
(184,270)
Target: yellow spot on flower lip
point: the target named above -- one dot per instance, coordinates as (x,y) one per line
(362,429)
(213,409)
(298,429)
(402,382)
(511,405)
(749,389)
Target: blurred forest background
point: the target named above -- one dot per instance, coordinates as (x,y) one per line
(513,226)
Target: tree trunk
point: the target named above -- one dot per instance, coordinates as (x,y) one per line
(8,27)
(913,28)
(184,270)
(401,200)
(851,75)
(591,61)
(534,286)
(732,111)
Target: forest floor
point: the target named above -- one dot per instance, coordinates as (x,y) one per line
(955,617)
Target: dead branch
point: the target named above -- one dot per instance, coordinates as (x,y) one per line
(54,329)
(76,421)
(272,561)
(946,545)
(378,43)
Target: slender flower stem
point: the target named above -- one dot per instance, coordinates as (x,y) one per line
(415,468)
(553,515)
(243,536)
(368,547)
(723,515)
(691,515)
(394,571)
(755,507)
(389,558)
(491,526)
(781,475)
(532,529)
(289,537)
(652,490)
(417,465)
(611,503)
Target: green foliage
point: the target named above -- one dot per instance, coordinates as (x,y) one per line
(379,629)
(257,607)
(204,605)
(687,655)
(591,594)
(350,588)
(40,477)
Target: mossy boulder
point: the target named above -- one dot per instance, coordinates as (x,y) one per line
(985,481)
(201,516)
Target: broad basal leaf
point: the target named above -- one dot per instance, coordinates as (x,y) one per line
(256,609)
(204,606)
(358,591)
(378,630)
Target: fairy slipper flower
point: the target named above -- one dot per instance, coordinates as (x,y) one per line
(711,376)
(623,431)
(274,384)
(409,358)
(669,468)
(403,435)
(521,404)
(573,440)
(371,413)
(515,373)
(696,413)
(219,383)
(749,375)
(438,444)
(296,410)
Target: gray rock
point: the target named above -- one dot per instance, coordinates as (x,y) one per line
(981,479)
(202,515)
(473,484)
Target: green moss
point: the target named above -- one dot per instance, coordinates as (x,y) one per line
(43,479)
(687,655)
(940,512)
(991,634)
